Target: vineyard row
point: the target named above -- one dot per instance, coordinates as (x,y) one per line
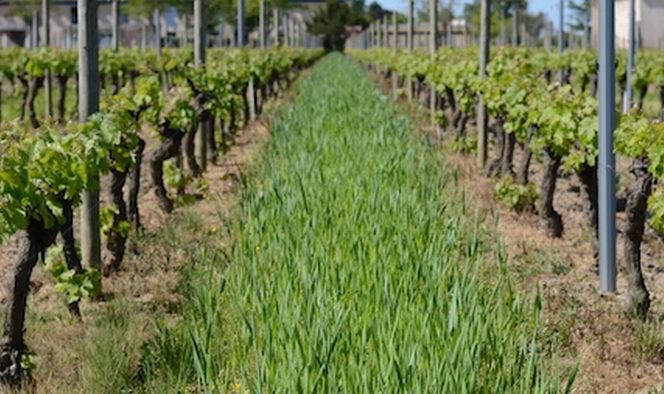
(547,104)
(45,166)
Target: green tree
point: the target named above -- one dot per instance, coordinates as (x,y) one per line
(505,10)
(580,17)
(330,22)
(445,11)
(376,12)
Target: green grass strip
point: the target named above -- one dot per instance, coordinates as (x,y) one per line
(357,267)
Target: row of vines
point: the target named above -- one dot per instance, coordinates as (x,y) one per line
(547,104)
(47,160)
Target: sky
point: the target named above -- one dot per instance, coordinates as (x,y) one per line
(549,7)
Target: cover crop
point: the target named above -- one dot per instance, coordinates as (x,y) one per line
(358,268)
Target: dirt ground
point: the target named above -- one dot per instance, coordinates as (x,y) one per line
(587,324)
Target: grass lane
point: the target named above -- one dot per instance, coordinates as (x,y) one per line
(357,267)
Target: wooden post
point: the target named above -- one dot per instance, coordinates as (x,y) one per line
(199,61)
(46,42)
(586,26)
(291,29)
(34,34)
(220,34)
(606,160)
(450,38)
(199,34)
(261,24)
(88,104)
(157,31)
(386,33)
(395,30)
(503,30)
(296,31)
(376,30)
(515,27)
(144,36)
(395,46)
(561,37)
(433,48)
(275,25)
(300,35)
(631,52)
(185,31)
(482,117)
(381,33)
(240,24)
(115,11)
(409,42)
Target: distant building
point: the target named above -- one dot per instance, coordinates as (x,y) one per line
(649,21)
(16,30)
(140,32)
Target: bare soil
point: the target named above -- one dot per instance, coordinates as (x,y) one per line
(587,324)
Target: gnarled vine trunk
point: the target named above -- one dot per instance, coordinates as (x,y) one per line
(168,148)
(594,80)
(224,140)
(34,241)
(550,220)
(69,248)
(452,105)
(523,172)
(461,125)
(62,97)
(637,299)
(189,153)
(252,101)
(117,84)
(661,102)
(135,186)
(34,85)
(116,240)
(506,166)
(588,177)
(132,81)
(230,126)
(24,96)
(245,106)
(643,91)
(494,167)
(211,138)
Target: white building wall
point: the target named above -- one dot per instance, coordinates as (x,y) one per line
(649,19)
(652,23)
